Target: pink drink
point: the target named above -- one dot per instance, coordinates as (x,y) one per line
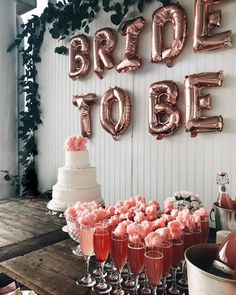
(167,251)
(136,258)
(205,230)
(153,261)
(86,240)
(101,242)
(119,250)
(178,252)
(188,240)
(197,235)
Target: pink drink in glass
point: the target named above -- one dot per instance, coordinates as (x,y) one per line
(197,236)
(167,251)
(86,241)
(178,252)
(205,229)
(188,238)
(101,242)
(119,250)
(153,261)
(136,258)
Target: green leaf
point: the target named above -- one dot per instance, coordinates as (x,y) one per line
(116,18)
(55,33)
(140,5)
(61,50)
(87,29)
(7,177)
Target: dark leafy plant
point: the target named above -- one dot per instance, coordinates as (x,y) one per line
(65,17)
(13,179)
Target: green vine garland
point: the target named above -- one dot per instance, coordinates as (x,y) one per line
(66,18)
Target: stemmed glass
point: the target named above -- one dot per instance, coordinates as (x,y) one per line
(153,261)
(205,229)
(101,242)
(188,239)
(119,249)
(136,261)
(178,254)
(167,250)
(73,228)
(86,245)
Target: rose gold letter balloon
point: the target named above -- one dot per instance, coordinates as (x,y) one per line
(175,14)
(131,61)
(79,57)
(164,117)
(104,42)
(205,20)
(196,102)
(84,103)
(120,96)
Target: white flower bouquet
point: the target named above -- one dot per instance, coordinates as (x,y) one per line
(184,199)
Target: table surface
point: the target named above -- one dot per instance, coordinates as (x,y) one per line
(25,227)
(51,270)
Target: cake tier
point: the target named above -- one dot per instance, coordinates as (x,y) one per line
(62,197)
(77,178)
(77,159)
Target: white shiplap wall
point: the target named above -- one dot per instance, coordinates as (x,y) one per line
(138,163)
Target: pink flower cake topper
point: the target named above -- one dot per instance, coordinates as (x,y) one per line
(75,143)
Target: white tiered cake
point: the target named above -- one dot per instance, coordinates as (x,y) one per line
(76,181)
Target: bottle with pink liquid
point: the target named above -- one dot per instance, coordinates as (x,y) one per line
(224,199)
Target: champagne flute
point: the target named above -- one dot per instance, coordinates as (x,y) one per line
(73,228)
(119,249)
(86,245)
(178,255)
(188,239)
(101,242)
(205,229)
(153,261)
(136,261)
(167,250)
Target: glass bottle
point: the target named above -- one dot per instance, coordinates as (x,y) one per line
(224,199)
